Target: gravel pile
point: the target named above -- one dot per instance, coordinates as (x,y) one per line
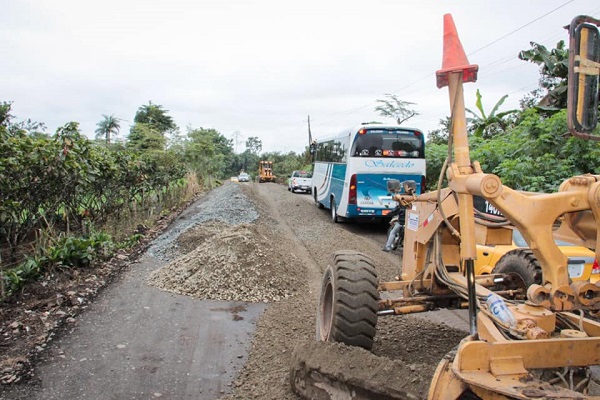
(224,259)
(226,203)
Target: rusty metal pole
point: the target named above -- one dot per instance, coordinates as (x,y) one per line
(468,250)
(462,159)
(456,70)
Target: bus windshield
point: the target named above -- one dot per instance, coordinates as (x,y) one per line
(395,143)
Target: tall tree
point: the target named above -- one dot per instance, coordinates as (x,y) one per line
(152,124)
(155,115)
(393,107)
(107,127)
(283,164)
(254,145)
(208,142)
(209,152)
(145,137)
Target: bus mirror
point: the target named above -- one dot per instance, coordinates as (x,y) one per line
(393,186)
(409,187)
(584,70)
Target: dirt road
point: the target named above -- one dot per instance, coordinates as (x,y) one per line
(218,304)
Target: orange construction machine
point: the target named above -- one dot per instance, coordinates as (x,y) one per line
(265,171)
(537,341)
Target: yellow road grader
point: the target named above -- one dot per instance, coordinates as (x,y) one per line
(265,172)
(540,341)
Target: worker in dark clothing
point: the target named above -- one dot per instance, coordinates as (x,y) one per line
(399,211)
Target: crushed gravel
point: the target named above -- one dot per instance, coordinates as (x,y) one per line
(227,262)
(225,203)
(299,240)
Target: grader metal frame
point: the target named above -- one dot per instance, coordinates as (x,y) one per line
(554,349)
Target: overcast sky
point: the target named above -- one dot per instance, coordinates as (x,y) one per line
(260,67)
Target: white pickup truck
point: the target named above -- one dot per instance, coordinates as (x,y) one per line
(300,180)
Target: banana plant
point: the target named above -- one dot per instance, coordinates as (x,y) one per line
(486,126)
(554,68)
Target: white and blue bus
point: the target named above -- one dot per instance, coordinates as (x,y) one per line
(351,170)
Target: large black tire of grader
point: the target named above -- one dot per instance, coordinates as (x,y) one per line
(348,303)
(523,263)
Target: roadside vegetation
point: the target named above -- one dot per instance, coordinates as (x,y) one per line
(529,148)
(62,194)
(67,201)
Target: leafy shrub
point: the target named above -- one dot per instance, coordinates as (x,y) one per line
(130,241)
(62,181)
(534,155)
(67,252)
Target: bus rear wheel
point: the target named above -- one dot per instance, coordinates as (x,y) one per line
(334,215)
(348,303)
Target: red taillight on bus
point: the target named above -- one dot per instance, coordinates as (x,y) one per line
(423,184)
(352,191)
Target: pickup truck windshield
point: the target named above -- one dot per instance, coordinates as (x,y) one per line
(302,174)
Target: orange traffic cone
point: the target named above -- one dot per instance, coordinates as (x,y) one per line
(455,59)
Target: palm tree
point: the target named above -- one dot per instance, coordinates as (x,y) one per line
(108,126)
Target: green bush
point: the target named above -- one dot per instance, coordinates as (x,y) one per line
(65,181)
(67,252)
